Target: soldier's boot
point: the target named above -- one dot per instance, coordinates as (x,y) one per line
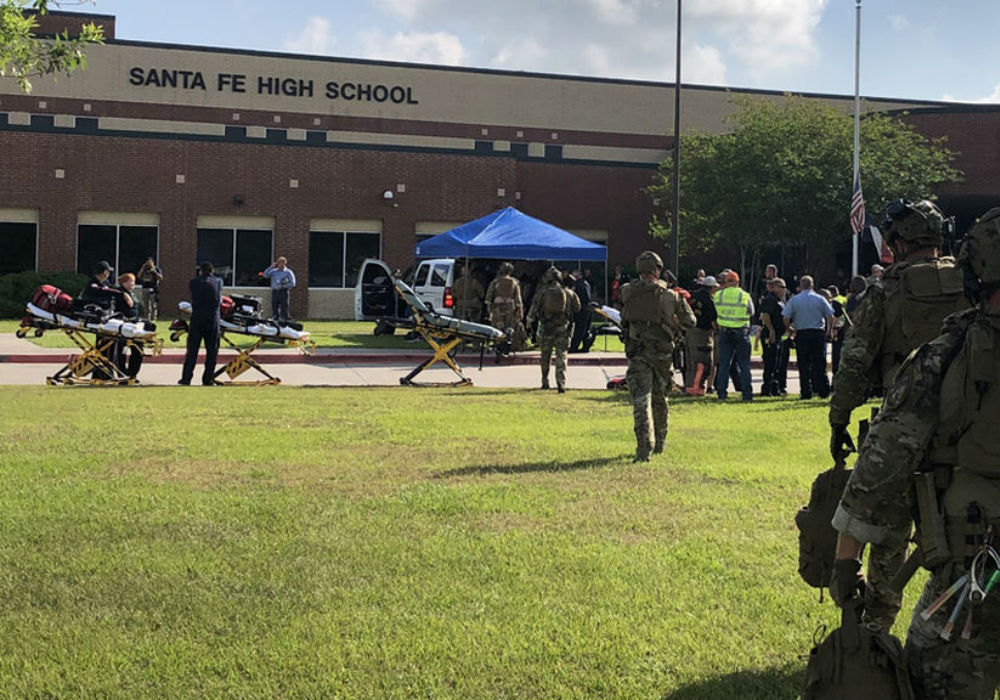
(697,388)
(545,375)
(561,388)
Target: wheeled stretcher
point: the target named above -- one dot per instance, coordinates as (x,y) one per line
(444,334)
(241,316)
(95,365)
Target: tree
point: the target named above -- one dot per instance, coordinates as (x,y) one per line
(783,177)
(24,55)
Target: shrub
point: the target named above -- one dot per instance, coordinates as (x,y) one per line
(16,288)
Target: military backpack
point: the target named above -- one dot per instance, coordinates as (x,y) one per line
(859,662)
(554,302)
(817,537)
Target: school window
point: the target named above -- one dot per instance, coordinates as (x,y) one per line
(18,243)
(239,255)
(335,257)
(124,246)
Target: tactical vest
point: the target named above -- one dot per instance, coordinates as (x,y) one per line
(731,308)
(554,303)
(969,432)
(503,290)
(645,311)
(465,292)
(918,296)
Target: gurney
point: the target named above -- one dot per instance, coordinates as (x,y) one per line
(52,310)
(612,325)
(444,334)
(241,315)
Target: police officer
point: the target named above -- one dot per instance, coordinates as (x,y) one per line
(553,307)
(206,295)
(938,438)
(893,318)
(654,317)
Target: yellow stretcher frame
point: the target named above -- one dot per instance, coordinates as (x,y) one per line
(94,356)
(243,362)
(445,345)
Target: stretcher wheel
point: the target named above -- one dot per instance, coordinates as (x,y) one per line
(175,337)
(39,332)
(21,332)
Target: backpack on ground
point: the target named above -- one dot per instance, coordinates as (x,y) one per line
(857,661)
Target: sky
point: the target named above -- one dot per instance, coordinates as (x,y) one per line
(910,49)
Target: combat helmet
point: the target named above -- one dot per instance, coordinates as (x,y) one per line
(552,274)
(915,223)
(647,262)
(981,250)
(506,268)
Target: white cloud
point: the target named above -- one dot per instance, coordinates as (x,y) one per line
(899,23)
(620,12)
(749,39)
(315,38)
(765,35)
(703,65)
(989,99)
(417,47)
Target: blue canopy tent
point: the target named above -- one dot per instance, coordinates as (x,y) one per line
(510,234)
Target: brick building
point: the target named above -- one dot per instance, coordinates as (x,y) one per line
(192,153)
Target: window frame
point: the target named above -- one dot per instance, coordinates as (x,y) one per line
(115,264)
(345,236)
(234,241)
(36,248)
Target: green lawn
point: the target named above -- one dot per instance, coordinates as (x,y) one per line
(368,543)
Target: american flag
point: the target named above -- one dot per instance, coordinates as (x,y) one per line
(857,208)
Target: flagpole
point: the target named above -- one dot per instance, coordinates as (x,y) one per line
(675,208)
(857,128)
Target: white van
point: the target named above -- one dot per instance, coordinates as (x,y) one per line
(432,281)
(375,299)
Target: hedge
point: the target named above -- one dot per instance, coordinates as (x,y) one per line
(16,288)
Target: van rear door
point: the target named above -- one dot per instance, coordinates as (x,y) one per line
(374,296)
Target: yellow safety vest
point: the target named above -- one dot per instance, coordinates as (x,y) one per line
(731,306)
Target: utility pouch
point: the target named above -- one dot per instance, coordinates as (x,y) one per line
(933,534)
(859,662)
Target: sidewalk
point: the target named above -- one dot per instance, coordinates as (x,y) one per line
(24,363)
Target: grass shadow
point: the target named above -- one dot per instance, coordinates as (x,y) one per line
(764,684)
(531,467)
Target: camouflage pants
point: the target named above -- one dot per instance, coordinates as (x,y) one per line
(505,318)
(649,379)
(959,668)
(881,602)
(553,338)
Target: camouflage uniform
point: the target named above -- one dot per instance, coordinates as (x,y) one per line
(928,415)
(936,446)
(892,319)
(653,318)
(468,293)
(503,299)
(553,326)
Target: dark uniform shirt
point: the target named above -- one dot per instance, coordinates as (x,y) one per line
(206,295)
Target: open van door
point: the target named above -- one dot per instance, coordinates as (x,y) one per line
(375,298)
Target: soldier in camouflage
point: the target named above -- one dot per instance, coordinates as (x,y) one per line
(504,304)
(553,307)
(892,319)
(936,446)
(469,294)
(654,318)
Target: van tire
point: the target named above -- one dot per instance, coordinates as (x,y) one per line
(383,328)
